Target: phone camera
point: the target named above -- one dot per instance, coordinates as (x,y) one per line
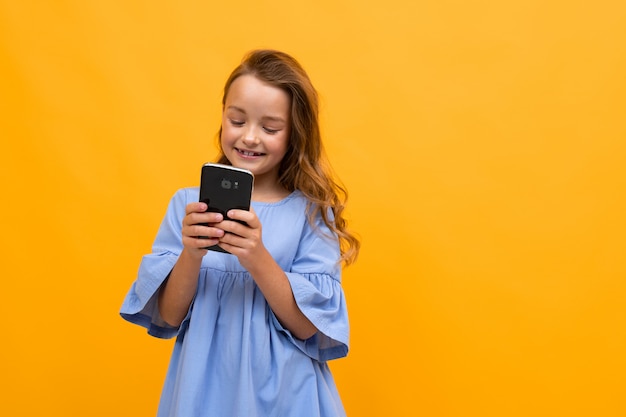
(226,184)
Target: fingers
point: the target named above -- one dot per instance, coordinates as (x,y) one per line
(202,218)
(198,237)
(198,228)
(197,213)
(196,208)
(241,230)
(238,235)
(203,230)
(241,223)
(248,217)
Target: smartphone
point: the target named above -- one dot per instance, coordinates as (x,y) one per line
(222,188)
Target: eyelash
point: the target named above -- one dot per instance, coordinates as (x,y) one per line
(238,123)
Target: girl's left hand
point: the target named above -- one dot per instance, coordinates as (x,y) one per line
(242,240)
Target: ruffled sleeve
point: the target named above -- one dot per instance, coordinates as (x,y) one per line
(140,305)
(315,279)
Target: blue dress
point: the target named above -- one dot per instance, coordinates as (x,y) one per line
(232,357)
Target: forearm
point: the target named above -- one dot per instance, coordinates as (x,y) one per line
(275,286)
(177,292)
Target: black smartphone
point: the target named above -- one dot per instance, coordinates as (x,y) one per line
(222,188)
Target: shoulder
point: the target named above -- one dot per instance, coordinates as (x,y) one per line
(186,195)
(180,199)
(286,213)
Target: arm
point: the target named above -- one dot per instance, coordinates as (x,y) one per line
(276,288)
(245,242)
(177,292)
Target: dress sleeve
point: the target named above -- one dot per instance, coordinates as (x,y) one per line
(315,279)
(140,305)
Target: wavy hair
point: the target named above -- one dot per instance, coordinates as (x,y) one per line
(305,166)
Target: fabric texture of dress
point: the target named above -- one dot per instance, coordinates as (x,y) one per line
(232,357)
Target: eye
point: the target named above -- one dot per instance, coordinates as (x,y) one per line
(236,122)
(270,131)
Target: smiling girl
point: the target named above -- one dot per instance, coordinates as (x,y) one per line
(256,327)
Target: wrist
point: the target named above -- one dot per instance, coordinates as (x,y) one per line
(262,264)
(194,255)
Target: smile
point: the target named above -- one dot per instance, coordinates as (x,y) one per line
(248,153)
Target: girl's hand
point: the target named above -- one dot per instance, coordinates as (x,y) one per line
(242,240)
(197,222)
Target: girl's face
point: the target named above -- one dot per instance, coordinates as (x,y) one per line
(255,127)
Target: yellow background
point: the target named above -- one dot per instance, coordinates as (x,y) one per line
(483,143)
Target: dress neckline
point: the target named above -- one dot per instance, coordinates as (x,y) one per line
(278,202)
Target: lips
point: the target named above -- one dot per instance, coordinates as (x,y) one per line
(248,153)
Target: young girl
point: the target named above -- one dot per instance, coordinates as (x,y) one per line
(254,327)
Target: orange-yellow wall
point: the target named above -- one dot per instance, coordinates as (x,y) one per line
(483,143)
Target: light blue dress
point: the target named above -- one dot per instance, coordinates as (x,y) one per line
(232,358)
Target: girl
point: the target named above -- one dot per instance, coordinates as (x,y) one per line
(254,329)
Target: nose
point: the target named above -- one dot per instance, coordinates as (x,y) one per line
(250,138)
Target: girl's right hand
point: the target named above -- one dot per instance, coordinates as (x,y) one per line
(198,222)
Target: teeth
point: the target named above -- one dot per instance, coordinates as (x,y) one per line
(248,153)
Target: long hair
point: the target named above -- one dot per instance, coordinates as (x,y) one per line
(304,167)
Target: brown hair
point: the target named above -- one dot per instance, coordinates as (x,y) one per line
(304,167)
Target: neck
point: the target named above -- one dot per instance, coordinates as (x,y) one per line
(268,191)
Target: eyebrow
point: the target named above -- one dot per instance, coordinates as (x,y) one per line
(270,118)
